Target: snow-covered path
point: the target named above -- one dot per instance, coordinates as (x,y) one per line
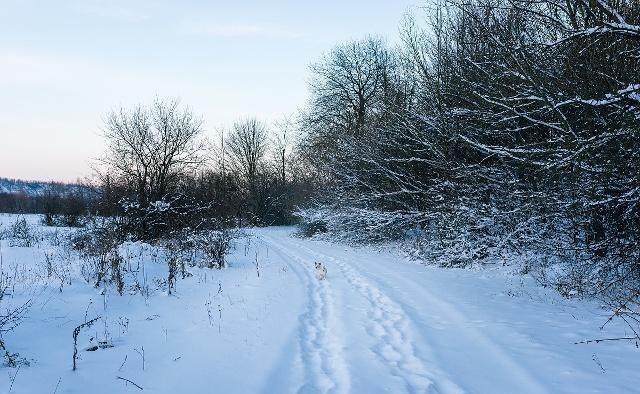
(372,325)
(412,328)
(266,324)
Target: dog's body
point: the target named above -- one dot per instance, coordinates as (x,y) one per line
(321,271)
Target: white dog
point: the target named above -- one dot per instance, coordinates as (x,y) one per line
(321,271)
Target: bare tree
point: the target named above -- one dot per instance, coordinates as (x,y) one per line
(248,144)
(149,147)
(248,147)
(349,82)
(282,141)
(149,150)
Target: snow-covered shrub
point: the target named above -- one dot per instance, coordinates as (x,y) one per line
(57,264)
(96,239)
(309,228)
(116,264)
(10,318)
(101,260)
(22,234)
(104,267)
(53,238)
(162,218)
(180,247)
(206,245)
(64,220)
(178,252)
(215,244)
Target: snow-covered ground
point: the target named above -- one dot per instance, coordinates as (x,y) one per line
(378,323)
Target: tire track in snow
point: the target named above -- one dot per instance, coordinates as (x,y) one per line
(389,325)
(321,350)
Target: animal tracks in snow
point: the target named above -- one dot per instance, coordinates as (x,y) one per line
(389,325)
(321,349)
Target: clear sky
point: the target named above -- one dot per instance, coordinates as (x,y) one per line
(64,64)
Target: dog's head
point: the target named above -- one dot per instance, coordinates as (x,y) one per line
(317,264)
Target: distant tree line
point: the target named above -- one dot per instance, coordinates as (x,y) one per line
(59,203)
(496,128)
(160,175)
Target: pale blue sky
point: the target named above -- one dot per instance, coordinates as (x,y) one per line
(64,64)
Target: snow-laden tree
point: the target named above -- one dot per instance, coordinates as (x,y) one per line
(517,131)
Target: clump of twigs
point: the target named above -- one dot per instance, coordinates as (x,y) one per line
(76,332)
(626,308)
(10,318)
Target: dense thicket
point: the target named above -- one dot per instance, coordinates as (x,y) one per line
(160,175)
(497,128)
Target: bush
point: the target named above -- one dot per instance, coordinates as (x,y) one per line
(98,247)
(204,247)
(10,318)
(63,220)
(21,234)
(162,218)
(310,228)
(215,245)
(179,251)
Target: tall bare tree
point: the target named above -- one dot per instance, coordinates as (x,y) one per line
(148,148)
(248,142)
(282,141)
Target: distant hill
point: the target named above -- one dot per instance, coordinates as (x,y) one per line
(38,188)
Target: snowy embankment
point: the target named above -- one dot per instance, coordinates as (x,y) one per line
(378,323)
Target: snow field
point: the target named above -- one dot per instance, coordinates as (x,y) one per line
(378,323)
